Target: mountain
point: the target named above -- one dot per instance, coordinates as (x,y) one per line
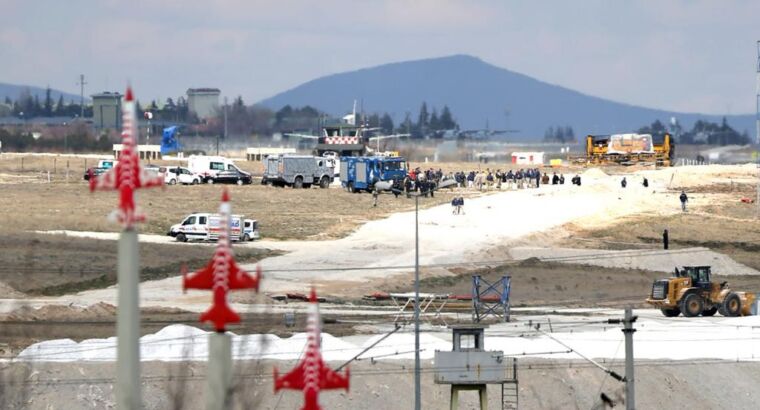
(479,93)
(13,91)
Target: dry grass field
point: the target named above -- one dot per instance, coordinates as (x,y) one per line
(29,202)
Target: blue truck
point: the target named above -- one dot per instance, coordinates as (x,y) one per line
(361,173)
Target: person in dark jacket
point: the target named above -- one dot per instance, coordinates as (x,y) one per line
(684,199)
(645,183)
(561,179)
(555,179)
(623,183)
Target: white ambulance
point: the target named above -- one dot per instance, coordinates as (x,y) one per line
(206,227)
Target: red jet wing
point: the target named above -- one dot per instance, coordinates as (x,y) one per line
(240,279)
(106,181)
(330,379)
(201,279)
(292,380)
(148,179)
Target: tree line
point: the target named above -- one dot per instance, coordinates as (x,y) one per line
(703,132)
(243,119)
(28,106)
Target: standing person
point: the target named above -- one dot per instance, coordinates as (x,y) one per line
(684,199)
(645,182)
(374,198)
(454,206)
(460,203)
(555,179)
(623,183)
(562,179)
(470,179)
(538,178)
(665,239)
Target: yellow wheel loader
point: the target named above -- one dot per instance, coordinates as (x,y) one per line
(691,292)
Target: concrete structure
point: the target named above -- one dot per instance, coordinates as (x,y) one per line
(260,153)
(468,366)
(106,110)
(203,101)
(146,152)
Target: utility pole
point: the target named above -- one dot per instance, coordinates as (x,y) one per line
(417,387)
(225,117)
(630,394)
(81,96)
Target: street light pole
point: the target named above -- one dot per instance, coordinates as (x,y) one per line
(417,387)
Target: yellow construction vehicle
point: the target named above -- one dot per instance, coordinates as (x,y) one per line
(629,149)
(691,292)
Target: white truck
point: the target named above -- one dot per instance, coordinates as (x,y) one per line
(206,227)
(209,166)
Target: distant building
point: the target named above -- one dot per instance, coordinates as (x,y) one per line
(106,110)
(203,101)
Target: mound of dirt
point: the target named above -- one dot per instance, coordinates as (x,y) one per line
(9,293)
(594,173)
(97,311)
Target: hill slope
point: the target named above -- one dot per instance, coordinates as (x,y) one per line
(478,92)
(13,91)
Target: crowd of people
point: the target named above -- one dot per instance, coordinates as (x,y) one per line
(519,179)
(425,181)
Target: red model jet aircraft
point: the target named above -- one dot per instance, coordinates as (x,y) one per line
(222,274)
(127,175)
(312,374)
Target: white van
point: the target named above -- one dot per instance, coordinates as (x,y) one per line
(208,166)
(206,227)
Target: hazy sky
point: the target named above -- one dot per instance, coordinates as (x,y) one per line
(697,56)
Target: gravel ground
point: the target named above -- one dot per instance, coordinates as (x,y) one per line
(389,385)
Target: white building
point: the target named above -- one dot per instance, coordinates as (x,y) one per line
(203,101)
(528,158)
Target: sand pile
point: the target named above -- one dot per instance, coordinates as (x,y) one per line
(97,311)
(593,173)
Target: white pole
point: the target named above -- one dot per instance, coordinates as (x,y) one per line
(128,324)
(417,369)
(630,394)
(219,373)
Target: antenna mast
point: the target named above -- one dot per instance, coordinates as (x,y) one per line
(82,83)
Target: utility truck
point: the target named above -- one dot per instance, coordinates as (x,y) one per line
(202,226)
(297,171)
(362,173)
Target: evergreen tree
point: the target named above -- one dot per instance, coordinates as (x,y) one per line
(37,108)
(48,107)
(386,123)
(435,124)
(60,109)
(423,119)
(446,120)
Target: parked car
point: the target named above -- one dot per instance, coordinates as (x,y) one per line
(232,176)
(181,175)
(101,168)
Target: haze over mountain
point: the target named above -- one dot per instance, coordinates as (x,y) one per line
(480,94)
(13,91)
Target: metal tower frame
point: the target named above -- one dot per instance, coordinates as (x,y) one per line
(490,298)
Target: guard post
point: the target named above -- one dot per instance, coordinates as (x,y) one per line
(468,366)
